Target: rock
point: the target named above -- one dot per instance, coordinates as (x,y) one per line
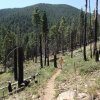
(34,97)
(68,95)
(83,96)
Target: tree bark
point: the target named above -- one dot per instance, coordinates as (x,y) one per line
(36,50)
(96,28)
(15,64)
(90,31)
(41,62)
(20,66)
(85,29)
(71,44)
(47,56)
(45,50)
(55,60)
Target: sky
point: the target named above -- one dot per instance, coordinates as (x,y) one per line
(23,3)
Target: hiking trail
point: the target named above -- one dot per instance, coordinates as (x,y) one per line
(49,91)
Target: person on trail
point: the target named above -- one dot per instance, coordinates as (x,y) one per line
(61,61)
(9,87)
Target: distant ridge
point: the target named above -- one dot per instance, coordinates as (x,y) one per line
(21,17)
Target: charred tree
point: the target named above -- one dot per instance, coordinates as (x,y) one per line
(71,37)
(20,66)
(47,51)
(90,31)
(55,60)
(41,61)
(47,56)
(35,49)
(97,56)
(85,31)
(15,64)
(96,28)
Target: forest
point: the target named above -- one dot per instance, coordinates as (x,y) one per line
(40,35)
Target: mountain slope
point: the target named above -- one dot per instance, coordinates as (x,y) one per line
(21,17)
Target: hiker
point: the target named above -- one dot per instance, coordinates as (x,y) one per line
(9,87)
(61,61)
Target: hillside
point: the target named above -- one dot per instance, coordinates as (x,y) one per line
(21,17)
(49,53)
(76,76)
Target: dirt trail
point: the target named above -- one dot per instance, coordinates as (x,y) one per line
(49,91)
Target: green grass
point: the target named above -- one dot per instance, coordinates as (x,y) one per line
(77,68)
(44,75)
(30,68)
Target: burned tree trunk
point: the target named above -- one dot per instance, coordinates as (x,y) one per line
(45,50)
(97,56)
(47,56)
(36,50)
(85,29)
(20,65)
(71,44)
(15,64)
(55,60)
(41,61)
(90,31)
(96,28)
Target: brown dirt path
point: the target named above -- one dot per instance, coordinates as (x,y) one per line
(49,91)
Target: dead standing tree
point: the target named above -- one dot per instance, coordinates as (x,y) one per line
(15,65)
(96,32)
(85,32)
(41,61)
(90,30)
(20,66)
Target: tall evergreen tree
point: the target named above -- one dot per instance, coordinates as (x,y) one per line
(8,45)
(62,30)
(36,24)
(45,31)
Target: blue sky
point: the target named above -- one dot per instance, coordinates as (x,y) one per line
(23,3)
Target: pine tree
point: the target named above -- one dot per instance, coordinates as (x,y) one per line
(8,45)
(62,30)
(45,31)
(36,24)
